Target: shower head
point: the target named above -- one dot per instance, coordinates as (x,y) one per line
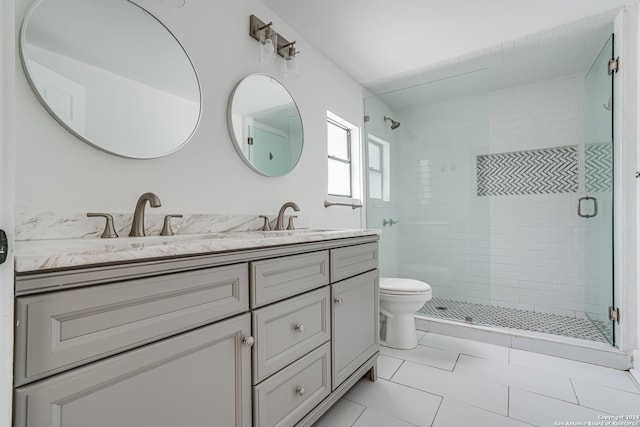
(394,124)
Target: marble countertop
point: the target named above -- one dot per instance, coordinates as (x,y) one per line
(38,255)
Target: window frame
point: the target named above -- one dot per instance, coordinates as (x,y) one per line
(356,153)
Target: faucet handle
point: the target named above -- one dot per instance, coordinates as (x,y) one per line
(109,231)
(290,224)
(265,226)
(166,228)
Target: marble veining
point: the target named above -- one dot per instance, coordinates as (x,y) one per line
(35,255)
(50,225)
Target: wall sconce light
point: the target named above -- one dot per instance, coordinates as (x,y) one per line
(290,64)
(273,44)
(268,41)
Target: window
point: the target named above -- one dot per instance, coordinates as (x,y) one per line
(378,167)
(339,148)
(343,163)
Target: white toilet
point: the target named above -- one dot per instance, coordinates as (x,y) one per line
(399,300)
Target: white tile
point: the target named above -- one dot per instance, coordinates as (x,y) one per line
(610,377)
(607,399)
(387,366)
(343,414)
(405,403)
(544,411)
(548,384)
(431,356)
(373,418)
(476,392)
(472,348)
(457,414)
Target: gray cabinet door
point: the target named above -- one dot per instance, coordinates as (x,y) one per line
(199,378)
(355,326)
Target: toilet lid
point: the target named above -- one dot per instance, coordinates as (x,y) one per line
(397,285)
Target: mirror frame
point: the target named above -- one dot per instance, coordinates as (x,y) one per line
(32,84)
(237,145)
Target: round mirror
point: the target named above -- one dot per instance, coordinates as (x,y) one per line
(265,125)
(112,74)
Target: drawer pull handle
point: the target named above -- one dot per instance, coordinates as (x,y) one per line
(338,301)
(248,341)
(300,391)
(299,328)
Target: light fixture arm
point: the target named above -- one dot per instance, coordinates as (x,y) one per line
(289,50)
(256,26)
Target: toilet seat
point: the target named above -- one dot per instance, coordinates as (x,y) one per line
(401,286)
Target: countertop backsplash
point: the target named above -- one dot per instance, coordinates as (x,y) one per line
(54,225)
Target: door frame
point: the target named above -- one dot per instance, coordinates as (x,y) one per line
(7,200)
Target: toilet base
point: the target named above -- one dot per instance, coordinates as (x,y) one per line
(400,332)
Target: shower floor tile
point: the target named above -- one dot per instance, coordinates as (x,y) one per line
(480,314)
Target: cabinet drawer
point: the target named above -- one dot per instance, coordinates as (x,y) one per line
(279,278)
(289,395)
(172,382)
(288,330)
(60,330)
(352,260)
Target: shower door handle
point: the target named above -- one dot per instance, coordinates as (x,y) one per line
(595,207)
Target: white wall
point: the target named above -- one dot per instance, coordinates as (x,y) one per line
(57,172)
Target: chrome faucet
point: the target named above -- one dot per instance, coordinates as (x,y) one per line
(280,221)
(137,228)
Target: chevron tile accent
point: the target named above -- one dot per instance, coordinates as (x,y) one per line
(598,167)
(552,170)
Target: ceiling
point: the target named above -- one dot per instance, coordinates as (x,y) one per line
(388,45)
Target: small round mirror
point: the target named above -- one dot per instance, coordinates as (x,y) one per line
(265,125)
(112,74)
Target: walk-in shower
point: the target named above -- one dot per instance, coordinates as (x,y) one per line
(499,195)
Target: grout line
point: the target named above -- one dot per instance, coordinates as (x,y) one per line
(437,411)
(573,388)
(397,369)
(364,408)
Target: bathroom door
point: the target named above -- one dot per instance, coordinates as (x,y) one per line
(595,203)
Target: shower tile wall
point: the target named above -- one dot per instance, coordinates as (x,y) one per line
(516,251)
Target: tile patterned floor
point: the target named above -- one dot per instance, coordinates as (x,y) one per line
(453,382)
(517,319)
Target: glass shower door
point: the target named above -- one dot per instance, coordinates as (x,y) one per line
(595,206)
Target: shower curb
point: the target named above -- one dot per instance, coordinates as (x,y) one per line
(567,348)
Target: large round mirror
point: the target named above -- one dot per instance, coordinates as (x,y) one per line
(112,74)
(265,125)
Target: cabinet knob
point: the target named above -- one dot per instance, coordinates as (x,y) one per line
(248,341)
(338,301)
(299,328)
(300,391)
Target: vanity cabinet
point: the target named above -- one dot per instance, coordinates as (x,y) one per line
(261,337)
